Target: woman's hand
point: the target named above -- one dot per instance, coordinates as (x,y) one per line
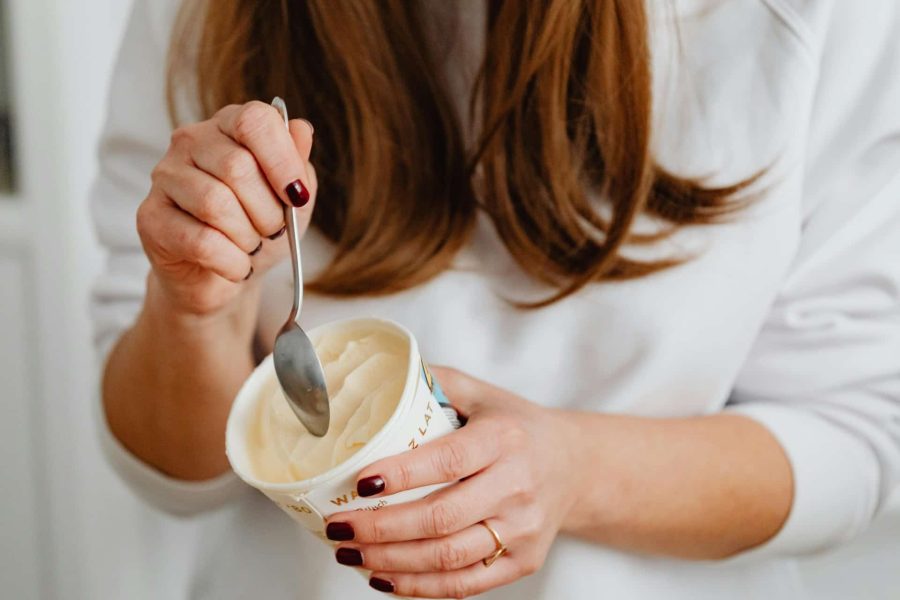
(514,459)
(216,204)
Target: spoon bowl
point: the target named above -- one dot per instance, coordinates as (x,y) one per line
(300,375)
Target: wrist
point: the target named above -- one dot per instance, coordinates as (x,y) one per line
(596,486)
(235,322)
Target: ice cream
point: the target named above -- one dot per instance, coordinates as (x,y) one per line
(365,372)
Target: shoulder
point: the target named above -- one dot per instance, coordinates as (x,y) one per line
(857,28)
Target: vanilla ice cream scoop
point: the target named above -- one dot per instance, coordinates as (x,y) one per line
(365,372)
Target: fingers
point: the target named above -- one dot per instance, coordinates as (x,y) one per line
(461,583)
(440,514)
(260,128)
(176,237)
(235,166)
(212,202)
(450,458)
(450,553)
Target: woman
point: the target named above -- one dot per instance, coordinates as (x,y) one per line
(657,244)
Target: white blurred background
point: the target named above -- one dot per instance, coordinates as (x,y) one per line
(68,529)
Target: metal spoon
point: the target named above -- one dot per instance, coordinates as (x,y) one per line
(296,363)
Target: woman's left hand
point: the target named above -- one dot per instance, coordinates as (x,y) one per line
(514,468)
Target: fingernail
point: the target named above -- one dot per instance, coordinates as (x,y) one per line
(370,486)
(297,193)
(349,556)
(310,125)
(258,248)
(382,585)
(339,532)
(249,274)
(278,233)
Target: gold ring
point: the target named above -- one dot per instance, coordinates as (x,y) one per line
(499,551)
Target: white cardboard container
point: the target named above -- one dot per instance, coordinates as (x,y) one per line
(418,418)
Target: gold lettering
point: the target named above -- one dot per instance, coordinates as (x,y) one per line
(381,504)
(299,509)
(340,500)
(412,444)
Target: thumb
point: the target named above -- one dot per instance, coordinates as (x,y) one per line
(302,133)
(466,394)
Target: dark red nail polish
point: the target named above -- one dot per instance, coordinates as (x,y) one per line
(249,274)
(278,233)
(349,556)
(339,532)
(258,248)
(382,585)
(370,486)
(297,193)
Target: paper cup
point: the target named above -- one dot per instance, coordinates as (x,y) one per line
(418,418)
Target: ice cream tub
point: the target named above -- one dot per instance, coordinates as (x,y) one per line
(418,417)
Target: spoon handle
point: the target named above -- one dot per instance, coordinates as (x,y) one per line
(290,222)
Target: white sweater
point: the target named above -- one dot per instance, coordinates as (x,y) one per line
(789,315)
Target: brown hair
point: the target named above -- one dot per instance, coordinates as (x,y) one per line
(564,98)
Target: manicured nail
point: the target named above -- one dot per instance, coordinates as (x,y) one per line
(278,233)
(258,248)
(339,532)
(382,585)
(297,193)
(349,556)
(249,273)
(310,125)
(370,486)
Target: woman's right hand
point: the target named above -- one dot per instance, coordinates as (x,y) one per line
(216,206)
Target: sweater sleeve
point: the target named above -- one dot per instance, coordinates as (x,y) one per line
(824,374)
(135,137)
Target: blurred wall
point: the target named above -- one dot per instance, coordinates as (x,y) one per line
(59,55)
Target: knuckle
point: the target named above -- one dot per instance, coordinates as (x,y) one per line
(448,557)
(378,532)
(532,524)
(158,173)
(225,110)
(143,220)
(459,588)
(451,460)
(251,119)
(443,518)
(181,135)
(200,245)
(403,476)
(237,164)
(209,203)
(515,435)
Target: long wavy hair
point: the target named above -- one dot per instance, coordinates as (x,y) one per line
(563,98)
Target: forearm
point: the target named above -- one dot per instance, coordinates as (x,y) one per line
(169,382)
(701,488)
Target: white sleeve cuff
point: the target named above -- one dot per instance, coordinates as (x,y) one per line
(173,496)
(836,480)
